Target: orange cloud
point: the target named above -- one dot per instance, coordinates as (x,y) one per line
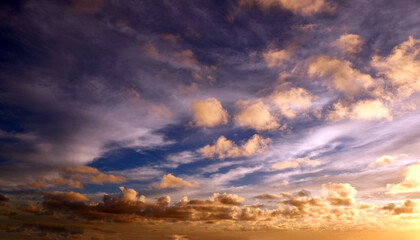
(170,181)
(339,75)
(208,113)
(224,148)
(291,101)
(410,183)
(349,44)
(255,115)
(299,162)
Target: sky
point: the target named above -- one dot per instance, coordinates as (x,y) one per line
(224,119)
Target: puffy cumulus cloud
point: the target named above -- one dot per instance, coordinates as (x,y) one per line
(401,67)
(340,75)
(224,148)
(410,183)
(339,193)
(170,181)
(291,101)
(276,58)
(303,7)
(298,162)
(349,44)
(130,195)
(371,109)
(385,160)
(405,208)
(255,115)
(208,113)
(75,176)
(228,199)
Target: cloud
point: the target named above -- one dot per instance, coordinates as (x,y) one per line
(179,237)
(75,176)
(401,67)
(130,195)
(170,181)
(268,197)
(339,75)
(176,159)
(255,115)
(303,7)
(349,44)
(291,101)
(67,201)
(208,113)
(224,148)
(405,208)
(371,109)
(298,162)
(410,183)
(385,160)
(339,193)
(276,58)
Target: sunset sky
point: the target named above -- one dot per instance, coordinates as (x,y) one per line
(218,119)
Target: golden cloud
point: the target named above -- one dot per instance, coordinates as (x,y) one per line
(410,183)
(255,115)
(401,67)
(291,101)
(170,181)
(276,58)
(339,193)
(371,109)
(208,113)
(349,44)
(299,162)
(224,148)
(340,75)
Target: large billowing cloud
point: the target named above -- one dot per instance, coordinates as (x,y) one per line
(410,183)
(256,115)
(339,193)
(208,113)
(224,148)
